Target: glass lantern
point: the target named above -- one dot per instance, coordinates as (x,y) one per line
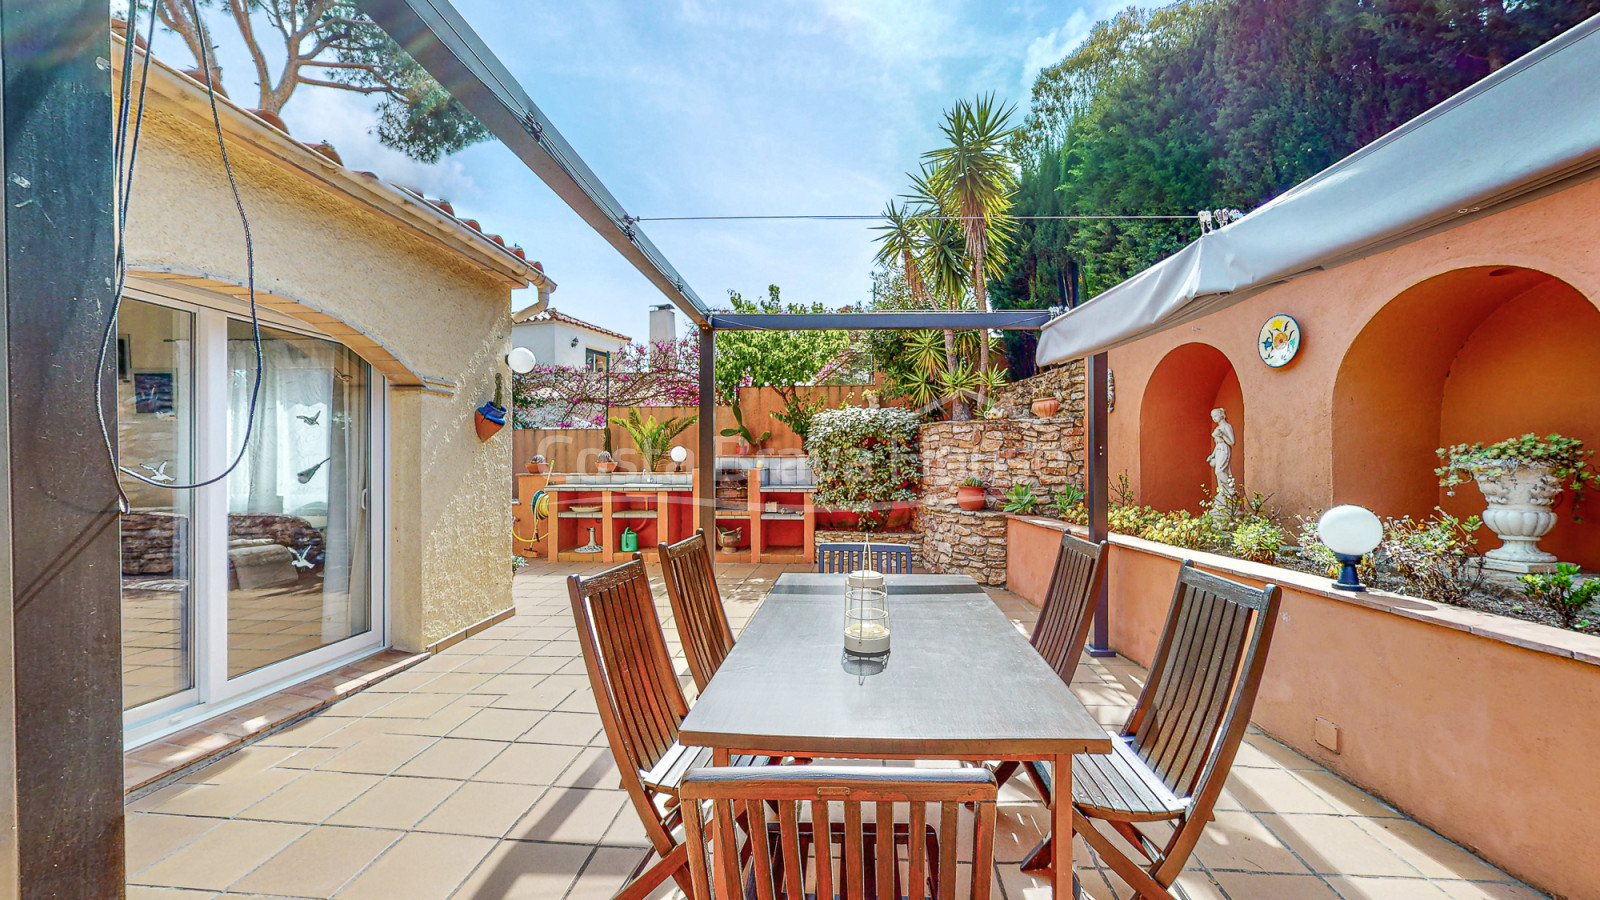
(866,614)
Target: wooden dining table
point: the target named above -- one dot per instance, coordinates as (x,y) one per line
(960,682)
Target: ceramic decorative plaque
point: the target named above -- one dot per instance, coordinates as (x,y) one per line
(1280,341)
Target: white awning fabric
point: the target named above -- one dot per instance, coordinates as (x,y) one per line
(1527,127)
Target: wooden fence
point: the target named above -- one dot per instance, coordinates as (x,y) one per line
(575,449)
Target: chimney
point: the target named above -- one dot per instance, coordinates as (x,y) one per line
(663,324)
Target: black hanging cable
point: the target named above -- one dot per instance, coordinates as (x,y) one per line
(126,181)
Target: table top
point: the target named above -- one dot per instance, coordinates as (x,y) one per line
(960,681)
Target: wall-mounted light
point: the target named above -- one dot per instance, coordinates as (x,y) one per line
(521,360)
(679,454)
(574,342)
(1351,532)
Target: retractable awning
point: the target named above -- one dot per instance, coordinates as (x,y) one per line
(1522,130)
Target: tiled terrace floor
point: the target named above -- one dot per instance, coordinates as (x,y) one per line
(483,773)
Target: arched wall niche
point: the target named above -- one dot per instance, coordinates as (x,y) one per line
(1477,354)
(1175,426)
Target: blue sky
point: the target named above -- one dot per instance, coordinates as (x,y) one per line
(712,107)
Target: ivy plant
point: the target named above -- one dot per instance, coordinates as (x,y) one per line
(1567,459)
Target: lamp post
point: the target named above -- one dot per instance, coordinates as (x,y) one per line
(1351,532)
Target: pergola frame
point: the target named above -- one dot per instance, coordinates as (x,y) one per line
(438,37)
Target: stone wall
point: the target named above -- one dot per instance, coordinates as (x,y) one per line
(1065,383)
(974,543)
(1047,454)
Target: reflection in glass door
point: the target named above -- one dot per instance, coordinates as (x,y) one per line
(299,531)
(155,417)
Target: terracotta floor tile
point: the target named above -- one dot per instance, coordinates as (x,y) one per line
(1275,791)
(570,815)
(497,724)
(1332,845)
(593,767)
(153,836)
(224,800)
(379,754)
(524,870)
(1238,841)
(419,867)
(1356,888)
(1431,854)
(414,706)
(577,729)
(608,868)
(319,863)
(481,808)
(1346,798)
(456,758)
(395,802)
(311,798)
(1253,886)
(530,764)
(222,855)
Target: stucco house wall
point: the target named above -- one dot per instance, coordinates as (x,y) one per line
(552,342)
(414,291)
(1481,332)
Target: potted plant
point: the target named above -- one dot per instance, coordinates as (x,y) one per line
(1520,478)
(1045,406)
(604,463)
(746,439)
(971,495)
(491,417)
(653,439)
(538,465)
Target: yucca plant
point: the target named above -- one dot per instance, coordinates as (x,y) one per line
(653,439)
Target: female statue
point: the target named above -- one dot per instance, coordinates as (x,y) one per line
(1221,457)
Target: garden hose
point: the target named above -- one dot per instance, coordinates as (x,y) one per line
(540,505)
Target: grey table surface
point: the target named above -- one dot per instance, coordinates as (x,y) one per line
(960,681)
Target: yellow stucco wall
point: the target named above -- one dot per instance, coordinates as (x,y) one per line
(440,313)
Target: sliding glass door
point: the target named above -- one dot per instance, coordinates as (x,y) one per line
(247,584)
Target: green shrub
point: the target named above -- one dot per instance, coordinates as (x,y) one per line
(864,458)
(974,481)
(1181,529)
(1569,462)
(1258,541)
(1556,592)
(1311,549)
(1435,557)
(1021,499)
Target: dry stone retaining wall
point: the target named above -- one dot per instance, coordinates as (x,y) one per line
(954,540)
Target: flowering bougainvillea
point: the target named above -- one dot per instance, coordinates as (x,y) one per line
(864,458)
(661,374)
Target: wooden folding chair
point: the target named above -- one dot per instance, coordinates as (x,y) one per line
(641,705)
(696,605)
(793,857)
(1063,626)
(1172,757)
(886,558)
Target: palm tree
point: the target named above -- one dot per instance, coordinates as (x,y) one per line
(975,176)
(901,242)
(944,257)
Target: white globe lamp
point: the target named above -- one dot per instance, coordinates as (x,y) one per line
(679,454)
(1351,532)
(521,360)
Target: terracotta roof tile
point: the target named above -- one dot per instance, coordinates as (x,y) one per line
(551,314)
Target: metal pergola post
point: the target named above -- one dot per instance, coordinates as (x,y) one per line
(706,458)
(1096,459)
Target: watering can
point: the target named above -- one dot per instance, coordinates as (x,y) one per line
(630,541)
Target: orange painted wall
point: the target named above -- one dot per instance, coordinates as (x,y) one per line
(1490,394)
(1470,734)
(1378,384)
(1175,417)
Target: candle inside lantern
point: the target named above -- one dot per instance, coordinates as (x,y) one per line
(866,618)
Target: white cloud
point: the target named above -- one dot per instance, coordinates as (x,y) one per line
(1050,48)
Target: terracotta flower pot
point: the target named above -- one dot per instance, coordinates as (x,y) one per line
(606,466)
(1045,407)
(538,468)
(488,420)
(971,498)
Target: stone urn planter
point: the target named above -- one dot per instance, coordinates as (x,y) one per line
(1519,513)
(1045,407)
(728,538)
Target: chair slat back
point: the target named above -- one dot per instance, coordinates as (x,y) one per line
(696,605)
(886,558)
(1197,700)
(641,703)
(872,853)
(1068,609)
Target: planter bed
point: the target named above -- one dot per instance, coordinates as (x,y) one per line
(1477,725)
